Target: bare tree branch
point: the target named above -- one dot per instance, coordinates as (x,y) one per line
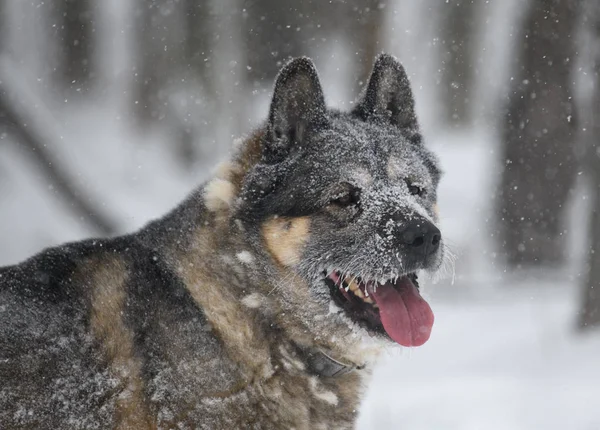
(17,116)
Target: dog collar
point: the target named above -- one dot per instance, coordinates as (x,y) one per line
(321,364)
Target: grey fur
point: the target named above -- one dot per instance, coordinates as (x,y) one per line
(201,319)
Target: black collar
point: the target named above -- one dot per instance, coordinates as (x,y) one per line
(321,364)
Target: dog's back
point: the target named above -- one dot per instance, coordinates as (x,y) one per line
(89,331)
(104,334)
(50,367)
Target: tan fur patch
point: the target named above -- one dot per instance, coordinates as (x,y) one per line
(227,315)
(218,194)
(221,191)
(285,238)
(249,153)
(240,336)
(107,283)
(436,211)
(222,170)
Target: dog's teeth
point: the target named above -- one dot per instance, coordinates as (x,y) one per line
(350,284)
(353,286)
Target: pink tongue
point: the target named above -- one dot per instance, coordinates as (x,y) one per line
(405,315)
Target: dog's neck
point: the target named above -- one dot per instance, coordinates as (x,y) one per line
(277,298)
(251,276)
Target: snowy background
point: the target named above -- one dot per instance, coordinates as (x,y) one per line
(505,353)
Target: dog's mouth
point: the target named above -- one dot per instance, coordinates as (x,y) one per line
(394,307)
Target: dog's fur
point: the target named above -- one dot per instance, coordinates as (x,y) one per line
(206,318)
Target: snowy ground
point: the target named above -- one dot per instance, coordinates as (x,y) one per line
(502,361)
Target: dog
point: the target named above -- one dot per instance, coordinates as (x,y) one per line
(261,302)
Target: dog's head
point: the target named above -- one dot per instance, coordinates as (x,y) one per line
(347,200)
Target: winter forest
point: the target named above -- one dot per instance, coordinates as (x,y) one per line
(112,111)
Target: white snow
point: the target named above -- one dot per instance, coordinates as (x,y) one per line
(510,360)
(245,257)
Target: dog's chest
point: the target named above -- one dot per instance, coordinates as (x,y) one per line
(303,399)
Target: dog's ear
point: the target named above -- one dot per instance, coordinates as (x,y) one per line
(388,96)
(298,103)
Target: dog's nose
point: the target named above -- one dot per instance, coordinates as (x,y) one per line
(420,236)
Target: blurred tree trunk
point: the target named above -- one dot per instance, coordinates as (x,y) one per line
(538,157)
(76,39)
(3,47)
(590,310)
(199,42)
(199,55)
(364,27)
(458,42)
(28,120)
(3,25)
(161,46)
(276,30)
(173,54)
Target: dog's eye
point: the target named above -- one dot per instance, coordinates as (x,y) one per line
(349,196)
(415,190)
